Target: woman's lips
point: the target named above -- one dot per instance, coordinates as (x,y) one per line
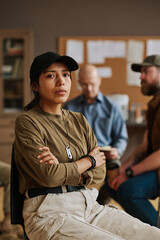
(61,92)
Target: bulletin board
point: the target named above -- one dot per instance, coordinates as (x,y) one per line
(136,49)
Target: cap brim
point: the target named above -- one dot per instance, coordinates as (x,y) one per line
(44,60)
(69,61)
(136,67)
(71,64)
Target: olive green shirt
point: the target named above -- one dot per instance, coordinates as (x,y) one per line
(34,129)
(153,127)
(153,124)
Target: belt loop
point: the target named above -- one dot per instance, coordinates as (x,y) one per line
(26,194)
(64,188)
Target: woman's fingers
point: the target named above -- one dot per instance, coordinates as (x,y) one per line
(46,156)
(98,156)
(43,155)
(50,159)
(50,162)
(96,149)
(44,148)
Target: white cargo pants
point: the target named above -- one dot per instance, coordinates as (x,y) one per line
(77,215)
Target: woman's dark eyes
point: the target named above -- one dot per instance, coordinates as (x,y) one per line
(54,75)
(66,75)
(50,76)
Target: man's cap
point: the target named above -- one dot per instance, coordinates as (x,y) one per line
(43,61)
(153,60)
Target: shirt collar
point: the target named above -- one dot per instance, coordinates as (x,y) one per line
(154,102)
(98,99)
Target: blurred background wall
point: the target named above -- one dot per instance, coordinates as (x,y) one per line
(49,19)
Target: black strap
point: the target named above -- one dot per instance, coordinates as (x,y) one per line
(93,160)
(34,192)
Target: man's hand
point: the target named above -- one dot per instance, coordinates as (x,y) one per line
(113,154)
(47,157)
(121,178)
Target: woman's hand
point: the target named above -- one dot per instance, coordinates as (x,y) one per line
(85,162)
(98,156)
(47,157)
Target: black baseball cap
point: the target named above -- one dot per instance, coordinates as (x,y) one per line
(153,60)
(43,61)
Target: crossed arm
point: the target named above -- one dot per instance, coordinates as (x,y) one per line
(83,164)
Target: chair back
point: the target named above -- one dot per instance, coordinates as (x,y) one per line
(16,198)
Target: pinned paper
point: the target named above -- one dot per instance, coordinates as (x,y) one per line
(135,55)
(104,72)
(98,51)
(95,52)
(153,47)
(135,51)
(114,49)
(75,49)
(132,77)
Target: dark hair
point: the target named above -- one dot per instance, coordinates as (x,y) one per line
(36,98)
(33,103)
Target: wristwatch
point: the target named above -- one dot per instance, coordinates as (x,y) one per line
(129,172)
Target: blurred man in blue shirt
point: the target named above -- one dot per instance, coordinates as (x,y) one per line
(103,115)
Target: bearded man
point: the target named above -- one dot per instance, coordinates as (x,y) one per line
(138,178)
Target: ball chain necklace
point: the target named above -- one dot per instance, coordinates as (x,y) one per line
(69,154)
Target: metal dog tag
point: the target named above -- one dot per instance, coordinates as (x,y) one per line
(69,154)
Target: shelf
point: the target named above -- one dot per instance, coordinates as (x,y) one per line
(133,121)
(13,46)
(13,97)
(10,78)
(15,57)
(135,124)
(12,110)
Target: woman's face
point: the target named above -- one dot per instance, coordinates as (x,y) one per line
(54,84)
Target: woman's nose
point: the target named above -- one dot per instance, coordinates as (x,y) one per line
(60,79)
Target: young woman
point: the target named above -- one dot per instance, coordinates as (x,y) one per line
(57,155)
